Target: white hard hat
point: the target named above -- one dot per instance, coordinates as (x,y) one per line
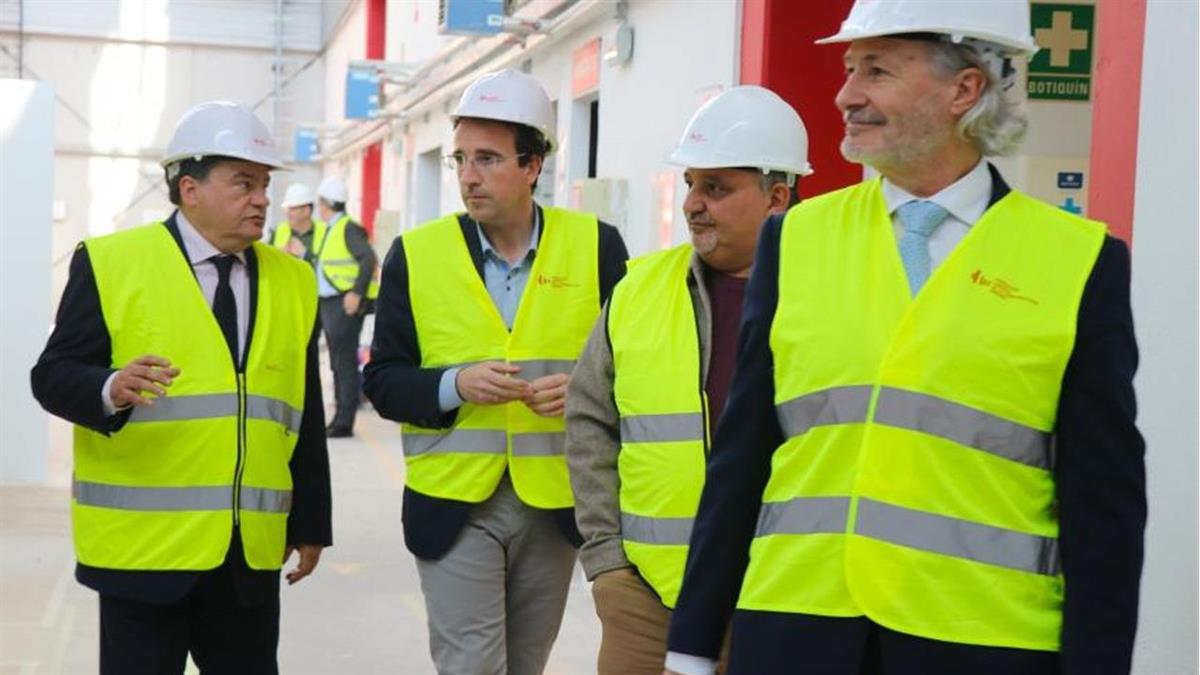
(747,126)
(510,96)
(1003,24)
(222,128)
(332,189)
(297,194)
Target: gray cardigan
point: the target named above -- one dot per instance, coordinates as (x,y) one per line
(594,438)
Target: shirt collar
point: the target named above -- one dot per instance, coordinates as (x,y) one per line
(197,247)
(488,249)
(966,198)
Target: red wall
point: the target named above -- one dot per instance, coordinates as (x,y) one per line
(372,161)
(1116,88)
(778,53)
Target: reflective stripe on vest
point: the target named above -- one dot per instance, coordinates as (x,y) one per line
(457,324)
(659,531)
(662,428)
(921,426)
(338,263)
(957,537)
(205,498)
(165,491)
(803,515)
(202,406)
(915,529)
(658,390)
(919,412)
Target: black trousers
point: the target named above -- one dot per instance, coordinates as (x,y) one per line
(341,335)
(227,632)
(770,643)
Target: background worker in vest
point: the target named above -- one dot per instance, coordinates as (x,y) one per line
(481,318)
(200,461)
(928,462)
(300,234)
(347,287)
(655,373)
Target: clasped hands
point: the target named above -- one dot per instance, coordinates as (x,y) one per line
(495,382)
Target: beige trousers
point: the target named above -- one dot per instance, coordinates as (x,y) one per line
(633,624)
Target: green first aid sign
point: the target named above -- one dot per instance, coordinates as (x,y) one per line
(1062,67)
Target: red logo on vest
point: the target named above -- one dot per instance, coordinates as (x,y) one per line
(1001,288)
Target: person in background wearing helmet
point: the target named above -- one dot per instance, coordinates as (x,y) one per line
(655,373)
(200,460)
(928,462)
(482,315)
(300,233)
(347,287)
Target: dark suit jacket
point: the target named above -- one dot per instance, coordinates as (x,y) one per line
(1099,473)
(67,381)
(403,391)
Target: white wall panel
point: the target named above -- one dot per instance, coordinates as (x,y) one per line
(1164,311)
(243,23)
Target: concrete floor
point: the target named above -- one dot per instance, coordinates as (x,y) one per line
(360,613)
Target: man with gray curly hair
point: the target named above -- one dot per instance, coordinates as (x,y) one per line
(928,461)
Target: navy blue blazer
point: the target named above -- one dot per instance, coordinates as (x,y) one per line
(67,381)
(1099,473)
(402,391)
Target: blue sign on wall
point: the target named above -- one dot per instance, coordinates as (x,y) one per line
(472,17)
(1070,180)
(306,144)
(362,94)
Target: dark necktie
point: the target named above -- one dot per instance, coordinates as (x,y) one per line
(224,306)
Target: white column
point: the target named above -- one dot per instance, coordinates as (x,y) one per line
(26,197)
(1165,311)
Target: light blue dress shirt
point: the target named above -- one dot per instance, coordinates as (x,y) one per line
(505,284)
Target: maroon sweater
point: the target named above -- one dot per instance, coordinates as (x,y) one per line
(725,293)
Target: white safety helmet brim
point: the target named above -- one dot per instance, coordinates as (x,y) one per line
(1003,24)
(745,127)
(509,96)
(333,189)
(297,194)
(225,129)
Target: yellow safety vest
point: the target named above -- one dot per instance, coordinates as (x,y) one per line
(164,492)
(659,392)
(915,483)
(341,269)
(458,324)
(283,232)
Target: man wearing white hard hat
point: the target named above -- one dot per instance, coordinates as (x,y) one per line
(654,376)
(300,234)
(347,285)
(481,317)
(929,461)
(185,354)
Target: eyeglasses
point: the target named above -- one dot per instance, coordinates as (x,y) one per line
(482,161)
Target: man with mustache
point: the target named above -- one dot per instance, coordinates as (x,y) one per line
(929,462)
(481,317)
(653,378)
(347,288)
(185,353)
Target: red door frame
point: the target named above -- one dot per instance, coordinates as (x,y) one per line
(778,53)
(372,161)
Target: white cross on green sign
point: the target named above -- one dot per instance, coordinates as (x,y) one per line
(1062,68)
